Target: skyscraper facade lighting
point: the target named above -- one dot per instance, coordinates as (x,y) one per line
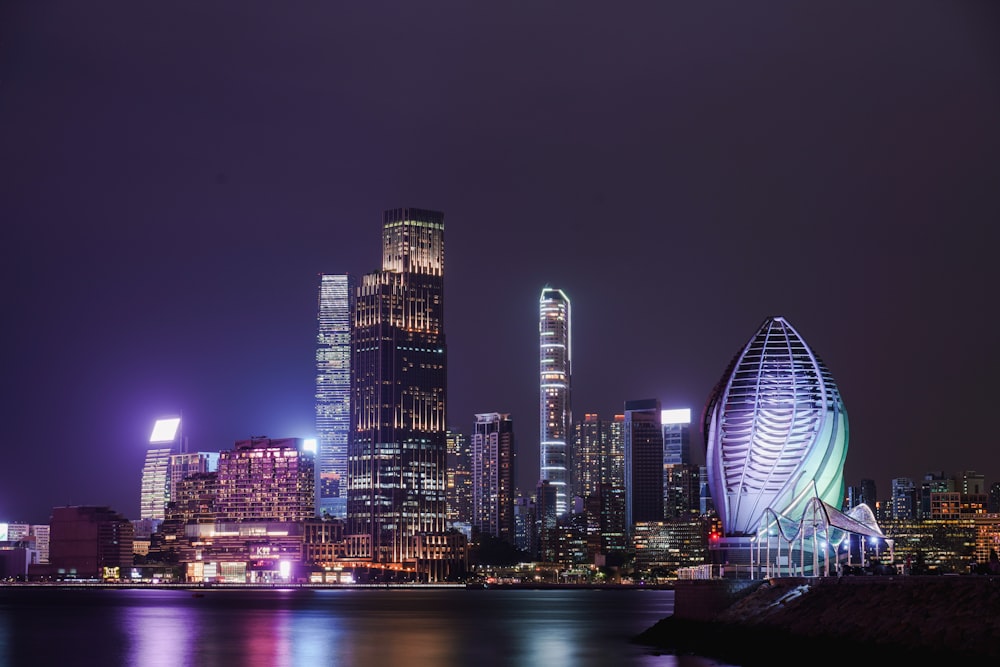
(266,479)
(676,436)
(775,431)
(493,475)
(397,452)
(555,374)
(333,391)
(154,493)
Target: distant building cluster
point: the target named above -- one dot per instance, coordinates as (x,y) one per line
(389,492)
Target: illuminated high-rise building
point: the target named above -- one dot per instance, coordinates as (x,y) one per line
(333,392)
(493,475)
(904,499)
(155,487)
(266,479)
(597,454)
(397,452)
(676,436)
(459,478)
(588,455)
(555,373)
(184,465)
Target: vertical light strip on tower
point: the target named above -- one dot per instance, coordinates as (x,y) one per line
(554,385)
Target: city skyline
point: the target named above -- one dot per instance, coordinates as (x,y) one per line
(682,172)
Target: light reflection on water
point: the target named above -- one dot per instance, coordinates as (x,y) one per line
(342,628)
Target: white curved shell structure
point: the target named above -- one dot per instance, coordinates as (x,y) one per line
(774,425)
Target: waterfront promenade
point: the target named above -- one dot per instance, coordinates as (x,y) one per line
(933,617)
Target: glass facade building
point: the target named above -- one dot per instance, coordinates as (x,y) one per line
(493,475)
(555,372)
(644,485)
(775,431)
(397,452)
(155,490)
(333,392)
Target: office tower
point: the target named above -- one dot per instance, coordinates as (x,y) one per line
(933,482)
(155,484)
(194,499)
(904,499)
(643,462)
(493,476)
(589,454)
(775,431)
(546,516)
(705,504)
(993,506)
(459,478)
(265,479)
(676,436)
(184,465)
(42,534)
(973,483)
(16,532)
(155,487)
(681,491)
(525,535)
(397,452)
(615,445)
(611,508)
(333,392)
(555,352)
(868,494)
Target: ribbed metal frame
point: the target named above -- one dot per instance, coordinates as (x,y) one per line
(774,426)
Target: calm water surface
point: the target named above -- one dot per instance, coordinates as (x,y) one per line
(377,628)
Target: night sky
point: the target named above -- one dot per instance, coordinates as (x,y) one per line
(174,177)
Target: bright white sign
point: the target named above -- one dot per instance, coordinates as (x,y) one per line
(678,416)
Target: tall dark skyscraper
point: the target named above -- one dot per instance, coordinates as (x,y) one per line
(397,453)
(643,462)
(333,391)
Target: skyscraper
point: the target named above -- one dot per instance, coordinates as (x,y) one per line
(904,499)
(265,479)
(459,476)
(397,453)
(676,436)
(184,465)
(589,455)
(493,476)
(643,462)
(154,492)
(597,454)
(333,391)
(555,416)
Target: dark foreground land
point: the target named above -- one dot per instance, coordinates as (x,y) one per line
(788,621)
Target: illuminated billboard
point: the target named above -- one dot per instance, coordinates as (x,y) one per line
(165,430)
(677,416)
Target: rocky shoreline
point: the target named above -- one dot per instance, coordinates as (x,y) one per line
(895,618)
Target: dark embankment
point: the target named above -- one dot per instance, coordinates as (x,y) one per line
(920,618)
